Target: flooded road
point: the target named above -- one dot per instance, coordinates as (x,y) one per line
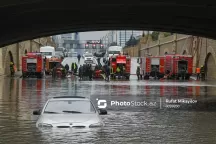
(191,123)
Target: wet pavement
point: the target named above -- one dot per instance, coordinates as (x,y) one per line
(152,123)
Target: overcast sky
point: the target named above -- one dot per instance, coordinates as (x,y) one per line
(96,35)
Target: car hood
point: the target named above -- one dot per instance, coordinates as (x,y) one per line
(63,118)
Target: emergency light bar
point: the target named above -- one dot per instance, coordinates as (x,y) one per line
(121,60)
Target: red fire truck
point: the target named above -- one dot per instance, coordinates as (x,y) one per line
(32,65)
(166,65)
(120,60)
(51,63)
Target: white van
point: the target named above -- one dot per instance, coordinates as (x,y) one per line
(47,51)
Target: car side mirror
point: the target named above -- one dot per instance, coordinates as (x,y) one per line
(36,112)
(102,112)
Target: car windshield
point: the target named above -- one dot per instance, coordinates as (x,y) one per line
(69,106)
(47,53)
(88,55)
(114,52)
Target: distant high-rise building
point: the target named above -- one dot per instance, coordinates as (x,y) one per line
(121,37)
(68,36)
(124,36)
(58,40)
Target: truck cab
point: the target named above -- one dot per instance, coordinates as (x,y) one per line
(120,61)
(47,51)
(33,65)
(51,63)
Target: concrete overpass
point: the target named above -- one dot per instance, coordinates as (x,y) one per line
(29,19)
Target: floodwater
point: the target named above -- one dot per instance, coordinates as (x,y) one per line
(190,123)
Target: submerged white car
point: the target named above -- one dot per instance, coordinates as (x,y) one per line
(69,112)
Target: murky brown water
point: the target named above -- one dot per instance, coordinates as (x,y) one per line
(195,124)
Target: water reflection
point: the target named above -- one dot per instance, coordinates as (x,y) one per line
(18,98)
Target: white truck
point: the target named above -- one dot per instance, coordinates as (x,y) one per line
(113,50)
(47,51)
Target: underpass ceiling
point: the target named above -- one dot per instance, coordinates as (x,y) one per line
(31,19)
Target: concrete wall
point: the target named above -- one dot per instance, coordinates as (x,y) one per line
(172,44)
(17,50)
(132,51)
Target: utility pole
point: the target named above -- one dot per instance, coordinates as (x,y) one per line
(116,38)
(148,42)
(120,37)
(125,37)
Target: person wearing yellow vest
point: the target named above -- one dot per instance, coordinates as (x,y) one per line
(12,68)
(118,70)
(202,70)
(111,70)
(198,73)
(73,67)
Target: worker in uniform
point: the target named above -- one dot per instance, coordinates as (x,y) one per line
(67,68)
(138,72)
(54,72)
(111,71)
(118,71)
(73,67)
(141,73)
(45,59)
(202,72)
(198,73)
(155,70)
(81,72)
(183,73)
(63,70)
(123,70)
(107,73)
(12,68)
(90,72)
(76,68)
(78,57)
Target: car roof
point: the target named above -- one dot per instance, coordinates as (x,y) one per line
(69,98)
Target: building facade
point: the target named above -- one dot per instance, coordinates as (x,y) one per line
(124,36)
(14,52)
(121,37)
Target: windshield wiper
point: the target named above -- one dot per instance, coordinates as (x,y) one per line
(71,111)
(50,112)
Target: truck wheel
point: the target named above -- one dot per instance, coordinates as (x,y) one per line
(128,77)
(146,78)
(24,75)
(187,77)
(40,75)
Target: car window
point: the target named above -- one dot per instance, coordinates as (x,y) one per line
(88,55)
(114,52)
(76,106)
(46,53)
